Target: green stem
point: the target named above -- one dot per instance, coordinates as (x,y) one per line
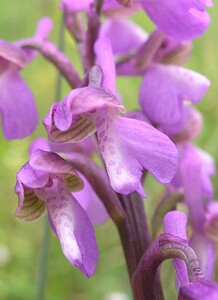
(42,271)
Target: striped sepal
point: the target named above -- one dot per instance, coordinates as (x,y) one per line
(32,209)
(76,133)
(74,182)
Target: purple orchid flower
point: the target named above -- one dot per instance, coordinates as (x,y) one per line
(194,285)
(87,197)
(200,289)
(131,38)
(175,223)
(17,107)
(46,182)
(163,91)
(111,8)
(94,108)
(182,19)
(164,87)
(143,49)
(193,176)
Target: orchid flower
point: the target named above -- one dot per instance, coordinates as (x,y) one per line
(17,107)
(196,168)
(87,197)
(164,88)
(94,108)
(182,20)
(175,223)
(46,182)
(111,8)
(163,91)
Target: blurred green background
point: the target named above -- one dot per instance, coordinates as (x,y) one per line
(20,243)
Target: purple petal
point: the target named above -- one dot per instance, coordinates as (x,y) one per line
(200,289)
(12,54)
(70,120)
(190,154)
(72,6)
(175,223)
(208,170)
(137,115)
(112,9)
(73,228)
(128,146)
(30,207)
(205,250)
(129,35)
(192,127)
(181,19)
(52,163)
(211,221)
(105,59)
(86,147)
(92,205)
(39,143)
(19,115)
(163,90)
(43,29)
(175,47)
(191,176)
(32,178)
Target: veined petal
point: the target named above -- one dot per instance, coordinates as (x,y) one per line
(73,228)
(30,207)
(17,107)
(71,119)
(163,90)
(52,163)
(182,19)
(72,128)
(128,146)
